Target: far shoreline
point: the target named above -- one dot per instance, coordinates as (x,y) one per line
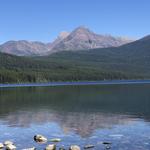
(75,83)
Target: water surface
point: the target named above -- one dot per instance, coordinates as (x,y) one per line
(78,115)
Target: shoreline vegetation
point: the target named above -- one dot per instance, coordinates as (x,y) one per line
(76,83)
(71,74)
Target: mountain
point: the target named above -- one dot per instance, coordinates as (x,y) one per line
(136,51)
(24,48)
(133,58)
(60,37)
(129,61)
(146,38)
(79,39)
(83,39)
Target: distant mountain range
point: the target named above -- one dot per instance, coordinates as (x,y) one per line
(24,48)
(79,39)
(128,61)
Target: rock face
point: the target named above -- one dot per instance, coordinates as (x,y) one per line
(60,38)
(82,39)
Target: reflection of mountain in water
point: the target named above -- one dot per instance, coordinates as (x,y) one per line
(80,109)
(81,123)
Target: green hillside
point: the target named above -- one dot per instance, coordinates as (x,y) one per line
(15,69)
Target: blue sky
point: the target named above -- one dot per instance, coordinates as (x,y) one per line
(42,20)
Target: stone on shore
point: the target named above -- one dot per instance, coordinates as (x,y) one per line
(10,147)
(8,143)
(1,145)
(51,147)
(40,139)
(74,147)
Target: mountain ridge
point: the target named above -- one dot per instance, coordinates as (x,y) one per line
(24,48)
(79,39)
(83,38)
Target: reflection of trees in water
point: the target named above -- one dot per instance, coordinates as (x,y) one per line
(75,108)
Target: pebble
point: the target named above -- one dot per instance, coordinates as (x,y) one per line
(55,140)
(10,147)
(116,135)
(40,138)
(8,143)
(61,148)
(1,145)
(106,143)
(108,147)
(74,147)
(89,146)
(51,147)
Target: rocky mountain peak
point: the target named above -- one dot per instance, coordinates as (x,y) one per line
(63,34)
(83,39)
(82,29)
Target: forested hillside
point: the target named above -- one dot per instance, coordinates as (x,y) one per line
(15,69)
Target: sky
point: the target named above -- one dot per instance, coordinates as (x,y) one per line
(43,20)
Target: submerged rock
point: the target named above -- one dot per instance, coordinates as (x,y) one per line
(40,138)
(55,140)
(106,143)
(51,147)
(10,147)
(74,147)
(61,148)
(107,147)
(89,146)
(116,135)
(33,148)
(1,145)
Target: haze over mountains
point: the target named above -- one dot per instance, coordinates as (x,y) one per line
(79,39)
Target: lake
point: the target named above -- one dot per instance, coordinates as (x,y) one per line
(78,114)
